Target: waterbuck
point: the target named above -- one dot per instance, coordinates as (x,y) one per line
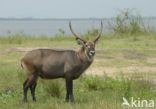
(51,64)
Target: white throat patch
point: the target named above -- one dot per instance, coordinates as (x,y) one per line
(91,57)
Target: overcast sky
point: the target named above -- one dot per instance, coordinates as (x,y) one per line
(73,8)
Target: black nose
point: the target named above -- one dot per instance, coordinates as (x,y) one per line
(92,52)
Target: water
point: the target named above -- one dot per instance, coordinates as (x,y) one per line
(53,27)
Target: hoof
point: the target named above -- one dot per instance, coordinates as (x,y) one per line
(34,100)
(70,100)
(25,100)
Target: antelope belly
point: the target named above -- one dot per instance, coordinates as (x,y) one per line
(52,71)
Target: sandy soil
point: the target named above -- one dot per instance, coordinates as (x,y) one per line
(100,70)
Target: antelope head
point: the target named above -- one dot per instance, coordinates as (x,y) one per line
(88,46)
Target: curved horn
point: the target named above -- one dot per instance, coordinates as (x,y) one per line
(77,36)
(99,34)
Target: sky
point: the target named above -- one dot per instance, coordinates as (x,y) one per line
(73,8)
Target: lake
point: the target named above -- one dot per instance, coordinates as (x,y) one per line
(52,27)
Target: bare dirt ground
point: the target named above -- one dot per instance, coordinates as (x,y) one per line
(100,70)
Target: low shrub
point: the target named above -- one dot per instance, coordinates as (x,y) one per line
(52,88)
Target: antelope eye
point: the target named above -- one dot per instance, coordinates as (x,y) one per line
(87,46)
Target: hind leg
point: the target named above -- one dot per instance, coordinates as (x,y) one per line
(25,90)
(29,83)
(32,89)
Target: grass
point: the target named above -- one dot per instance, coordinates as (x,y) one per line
(90,91)
(115,54)
(53,88)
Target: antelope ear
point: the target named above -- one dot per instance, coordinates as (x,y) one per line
(80,42)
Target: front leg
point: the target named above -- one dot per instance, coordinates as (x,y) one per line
(69,89)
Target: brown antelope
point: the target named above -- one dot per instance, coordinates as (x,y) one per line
(51,64)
